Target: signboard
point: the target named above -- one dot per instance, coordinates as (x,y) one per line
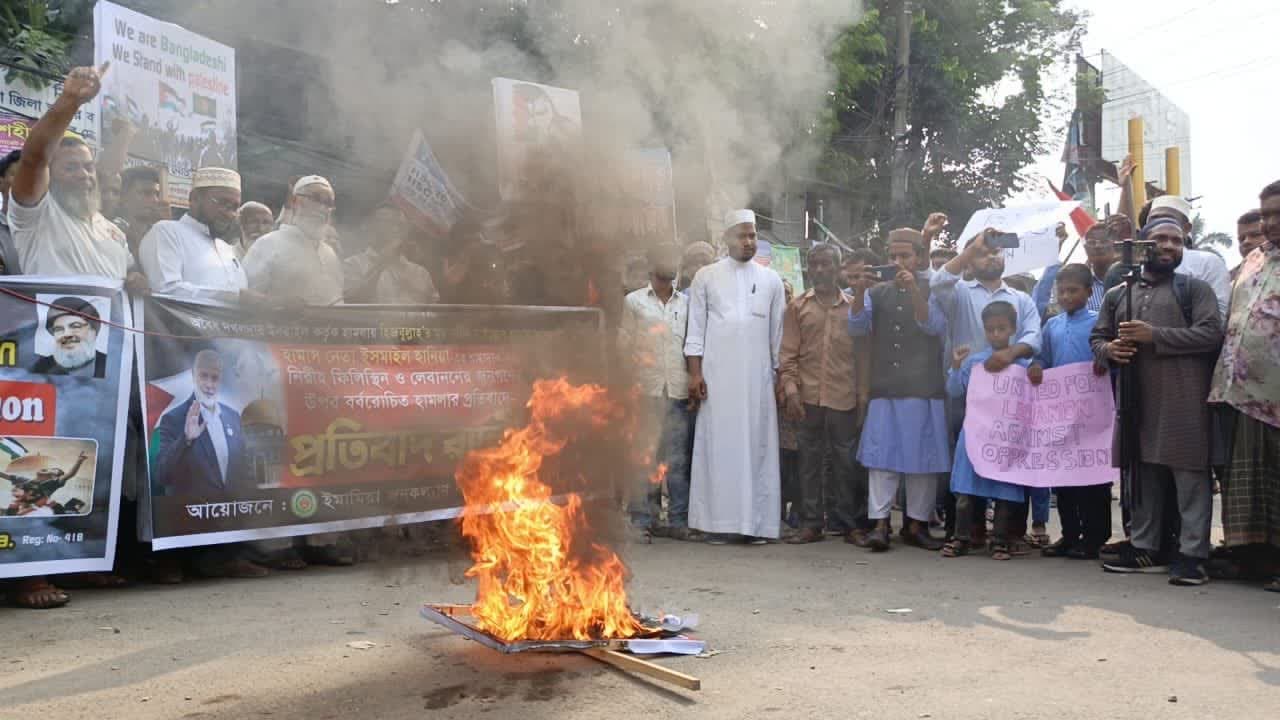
(784,260)
(64,396)
(21,105)
(1164,124)
(176,87)
(536,124)
(1057,434)
(348,417)
(1036,225)
(423,191)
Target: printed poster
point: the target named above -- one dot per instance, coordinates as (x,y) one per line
(1057,434)
(176,87)
(344,418)
(1036,226)
(783,260)
(21,104)
(423,191)
(65,370)
(536,124)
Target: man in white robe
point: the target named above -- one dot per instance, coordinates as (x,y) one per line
(731,346)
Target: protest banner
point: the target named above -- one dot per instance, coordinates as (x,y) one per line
(534,122)
(176,87)
(1057,434)
(1035,224)
(422,190)
(346,417)
(21,104)
(64,400)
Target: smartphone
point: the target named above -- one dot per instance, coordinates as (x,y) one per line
(1004,240)
(884,273)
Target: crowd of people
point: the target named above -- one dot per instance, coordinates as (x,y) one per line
(776,417)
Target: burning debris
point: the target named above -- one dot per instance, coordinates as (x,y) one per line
(544,580)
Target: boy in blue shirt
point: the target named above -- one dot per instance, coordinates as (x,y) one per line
(1085,512)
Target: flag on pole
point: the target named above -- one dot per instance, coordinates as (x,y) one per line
(12,449)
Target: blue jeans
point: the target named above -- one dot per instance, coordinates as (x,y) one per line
(675,440)
(1039,505)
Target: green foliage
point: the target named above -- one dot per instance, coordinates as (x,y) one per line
(1216,238)
(38,34)
(978,103)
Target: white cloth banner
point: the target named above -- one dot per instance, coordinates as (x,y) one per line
(177,88)
(1036,226)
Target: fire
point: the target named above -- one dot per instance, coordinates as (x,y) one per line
(540,574)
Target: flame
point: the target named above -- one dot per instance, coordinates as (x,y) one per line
(659,475)
(539,574)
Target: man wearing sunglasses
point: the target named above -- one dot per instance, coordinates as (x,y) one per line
(191,257)
(295,262)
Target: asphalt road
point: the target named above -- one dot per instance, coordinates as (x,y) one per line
(802,632)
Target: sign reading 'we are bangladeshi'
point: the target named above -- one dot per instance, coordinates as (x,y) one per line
(1055,434)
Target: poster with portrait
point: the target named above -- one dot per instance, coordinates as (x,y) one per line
(337,418)
(177,88)
(539,130)
(65,370)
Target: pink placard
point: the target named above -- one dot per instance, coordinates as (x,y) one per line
(1052,435)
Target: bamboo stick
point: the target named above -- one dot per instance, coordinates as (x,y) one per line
(634,664)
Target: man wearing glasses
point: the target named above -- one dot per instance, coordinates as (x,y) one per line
(295,263)
(73,323)
(1100,254)
(190,257)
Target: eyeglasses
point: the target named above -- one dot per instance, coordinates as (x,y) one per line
(224,204)
(321,201)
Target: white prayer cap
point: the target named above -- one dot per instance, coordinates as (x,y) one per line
(734,218)
(308,181)
(211,177)
(1172,202)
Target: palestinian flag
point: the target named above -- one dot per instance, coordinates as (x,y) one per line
(11,449)
(170,100)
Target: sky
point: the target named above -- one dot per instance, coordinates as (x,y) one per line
(1217,60)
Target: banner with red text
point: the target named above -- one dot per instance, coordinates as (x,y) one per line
(1055,434)
(65,369)
(340,418)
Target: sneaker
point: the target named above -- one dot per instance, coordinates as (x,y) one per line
(1188,571)
(717,539)
(1135,560)
(1112,551)
(752,540)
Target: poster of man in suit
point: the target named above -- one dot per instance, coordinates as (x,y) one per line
(200,442)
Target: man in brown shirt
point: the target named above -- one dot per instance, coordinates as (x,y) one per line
(823,382)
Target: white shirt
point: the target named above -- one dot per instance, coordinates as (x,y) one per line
(217,433)
(51,241)
(1212,269)
(181,258)
(651,335)
(286,263)
(401,282)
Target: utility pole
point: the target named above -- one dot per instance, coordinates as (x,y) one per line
(901,96)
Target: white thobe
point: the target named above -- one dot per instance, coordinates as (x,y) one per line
(735,326)
(182,258)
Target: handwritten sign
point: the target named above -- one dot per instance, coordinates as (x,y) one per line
(1057,434)
(1036,226)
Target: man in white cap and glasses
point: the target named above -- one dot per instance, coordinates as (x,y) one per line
(191,257)
(295,262)
(732,346)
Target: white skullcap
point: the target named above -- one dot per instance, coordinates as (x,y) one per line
(1172,202)
(734,218)
(308,181)
(211,177)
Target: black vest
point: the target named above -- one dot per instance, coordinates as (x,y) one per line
(905,360)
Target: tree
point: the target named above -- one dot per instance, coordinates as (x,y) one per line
(978,102)
(38,35)
(1215,239)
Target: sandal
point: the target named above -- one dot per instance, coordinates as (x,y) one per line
(1037,540)
(93,580)
(1019,548)
(1000,551)
(38,594)
(955,548)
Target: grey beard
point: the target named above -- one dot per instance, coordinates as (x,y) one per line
(70,359)
(83,205)
(209,403)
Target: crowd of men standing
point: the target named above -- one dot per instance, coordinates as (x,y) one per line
(819,412)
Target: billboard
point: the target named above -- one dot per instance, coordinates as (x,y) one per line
(1164,123)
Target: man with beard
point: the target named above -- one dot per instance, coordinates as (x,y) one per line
(295,263)
(1173,360)
(1246,379)
(1199,264)
(823,379)
(53,213)
(141,204)
(382,274)
(199,444)
(256,220)
(73,323)
(190,257)
(732,346)
(651,337)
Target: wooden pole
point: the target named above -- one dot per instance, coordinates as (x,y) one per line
(634,664)
(1172,171)
(1138,191)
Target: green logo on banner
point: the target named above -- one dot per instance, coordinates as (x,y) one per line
(303,504)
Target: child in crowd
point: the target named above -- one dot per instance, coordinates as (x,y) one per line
(1085,512)
(999,321)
